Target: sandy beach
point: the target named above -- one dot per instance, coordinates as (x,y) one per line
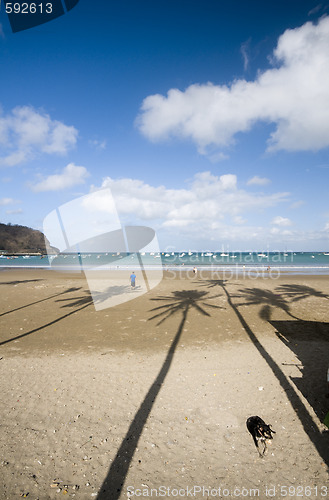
(150,398)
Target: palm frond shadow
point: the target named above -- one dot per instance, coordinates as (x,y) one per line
(267,298)
(95,297)
(214,283)
(69,290)
(299,292)
(81,306)
(76,301)
(179,301)
(18,282)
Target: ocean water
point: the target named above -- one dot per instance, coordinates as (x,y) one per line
(293,262)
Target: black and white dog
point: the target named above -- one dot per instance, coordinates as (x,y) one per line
(260,432)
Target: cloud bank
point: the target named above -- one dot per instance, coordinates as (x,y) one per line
(25,133)
(211,208)
(208,198)
(294,96)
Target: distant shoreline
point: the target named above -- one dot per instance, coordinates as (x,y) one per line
(20,254)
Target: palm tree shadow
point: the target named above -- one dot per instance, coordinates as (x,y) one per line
(265,297)
(180,301)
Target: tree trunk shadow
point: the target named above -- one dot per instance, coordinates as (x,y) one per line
(309,341)
(113,484)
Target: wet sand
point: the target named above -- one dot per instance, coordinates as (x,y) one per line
(155,392)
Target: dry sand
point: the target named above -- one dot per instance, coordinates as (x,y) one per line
(154,394)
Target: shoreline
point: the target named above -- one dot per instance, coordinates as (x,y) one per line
(237,269)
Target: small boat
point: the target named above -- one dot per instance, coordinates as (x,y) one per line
(262,255)
(224,254)
(208,254)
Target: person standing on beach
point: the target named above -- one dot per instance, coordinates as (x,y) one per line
(195,271)
(133,279)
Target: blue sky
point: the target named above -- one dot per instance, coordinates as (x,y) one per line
(208,120)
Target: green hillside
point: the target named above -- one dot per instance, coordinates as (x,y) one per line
(21,239)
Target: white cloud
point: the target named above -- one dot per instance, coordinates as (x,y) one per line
(14,212)
(217,157)
(315,10)
(281,221)
(72,175)
(99,145)
(239,220)
(258,181)
(245,53)
(26,132)
(297,204)
(7,201)
(294,96)
(326,228)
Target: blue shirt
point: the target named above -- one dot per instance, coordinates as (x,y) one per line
(132,278)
